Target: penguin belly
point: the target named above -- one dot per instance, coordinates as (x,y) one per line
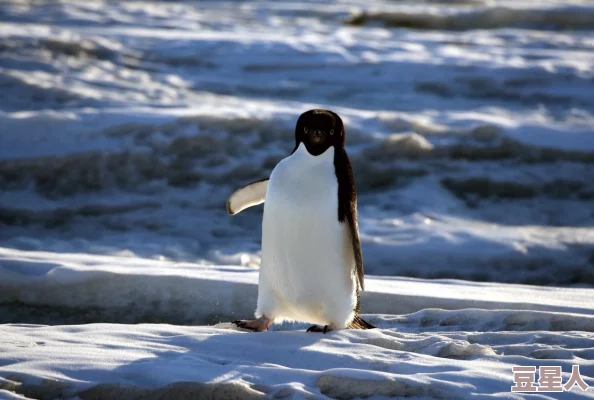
(306,272)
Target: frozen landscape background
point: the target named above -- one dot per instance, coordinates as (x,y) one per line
(124,126)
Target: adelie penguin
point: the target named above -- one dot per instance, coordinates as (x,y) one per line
(312,267)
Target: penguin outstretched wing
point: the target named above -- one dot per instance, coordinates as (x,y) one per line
(247,196)
(347,208)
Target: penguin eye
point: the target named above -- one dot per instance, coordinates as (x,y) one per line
(332,131)
(305,130)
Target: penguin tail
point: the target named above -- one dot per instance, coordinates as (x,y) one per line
(360,323)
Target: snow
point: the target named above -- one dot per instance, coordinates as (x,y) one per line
(125,126)
(435,338)
(146,111)
(407,357)
(43,287)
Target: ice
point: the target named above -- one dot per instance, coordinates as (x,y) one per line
(142,127)
(45,287)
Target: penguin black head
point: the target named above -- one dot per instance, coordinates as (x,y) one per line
(319,130)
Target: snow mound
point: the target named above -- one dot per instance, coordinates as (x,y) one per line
(341,387)
(497,320)
(558,18)
(410,145)
(431,345)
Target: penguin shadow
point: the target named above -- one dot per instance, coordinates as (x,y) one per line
(225,355)
(283,345)
(221,355)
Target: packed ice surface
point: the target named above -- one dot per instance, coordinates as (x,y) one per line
(434,338)
(124,126)
(165,359)
(420,348)
(402,359)
(50,288)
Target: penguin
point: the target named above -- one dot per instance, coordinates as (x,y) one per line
(312,266)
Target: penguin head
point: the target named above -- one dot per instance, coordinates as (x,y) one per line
(318,130)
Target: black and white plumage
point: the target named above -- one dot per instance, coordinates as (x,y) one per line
(312,266)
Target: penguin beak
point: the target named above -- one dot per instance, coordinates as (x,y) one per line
(317,135)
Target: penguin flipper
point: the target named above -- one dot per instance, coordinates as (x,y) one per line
(247,196)
(347,209)
(356,242)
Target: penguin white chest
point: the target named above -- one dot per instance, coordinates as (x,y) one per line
(307,257)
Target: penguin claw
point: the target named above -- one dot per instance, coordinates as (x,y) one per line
(244,325)
(257,325)
(317,328)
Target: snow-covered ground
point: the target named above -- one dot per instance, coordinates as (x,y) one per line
(45,287)
(435,339)
(125,125)
(407,358)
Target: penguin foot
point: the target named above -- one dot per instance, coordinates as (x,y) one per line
(257,325)
(317,328)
